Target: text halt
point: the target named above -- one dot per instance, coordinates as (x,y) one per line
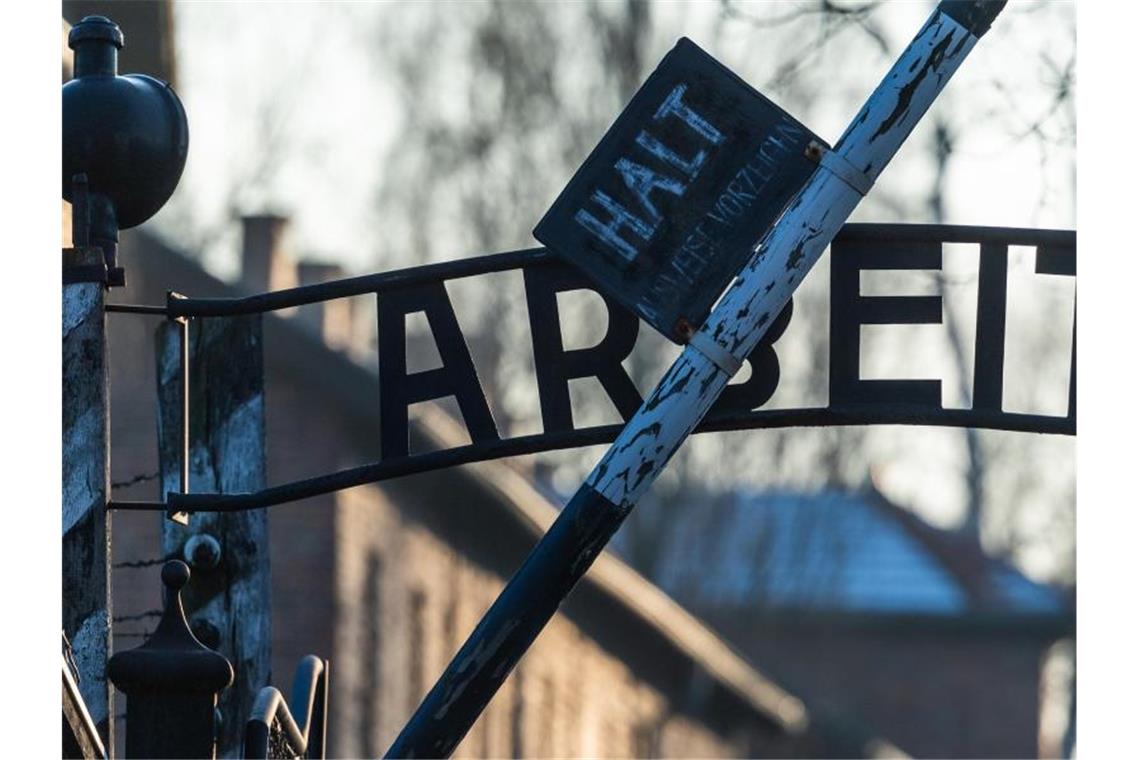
(670,204)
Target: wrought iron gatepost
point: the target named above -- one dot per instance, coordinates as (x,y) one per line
(172,683)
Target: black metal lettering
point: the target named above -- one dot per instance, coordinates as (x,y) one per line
(989,340)
(457,377)
(849,311)
(555,367)
(1062,259)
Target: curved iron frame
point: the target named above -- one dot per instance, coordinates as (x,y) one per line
(182,308)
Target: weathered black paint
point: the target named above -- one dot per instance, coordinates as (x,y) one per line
(761,384)
(530,599)
(668,206)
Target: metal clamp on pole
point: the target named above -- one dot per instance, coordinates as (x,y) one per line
(716,353)
(839,166)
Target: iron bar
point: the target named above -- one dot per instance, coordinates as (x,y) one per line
(355,286)
(532,444)
(501,262)
(137,506)
(184,380)
(134,308)
(689,389)
(956,233)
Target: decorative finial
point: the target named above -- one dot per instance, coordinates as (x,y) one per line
(171,679)
(127,134)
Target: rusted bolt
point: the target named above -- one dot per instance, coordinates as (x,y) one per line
(683,330)
(202,552)
(814,151)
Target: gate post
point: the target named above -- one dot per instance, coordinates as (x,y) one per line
(227,600)
(172,683)
(86,467)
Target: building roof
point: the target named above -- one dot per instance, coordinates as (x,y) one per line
(839,552)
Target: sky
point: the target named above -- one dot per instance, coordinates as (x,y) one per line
(310,69)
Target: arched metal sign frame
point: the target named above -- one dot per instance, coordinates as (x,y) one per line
(852,401)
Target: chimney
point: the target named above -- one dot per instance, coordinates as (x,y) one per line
(332,320)
(266,263)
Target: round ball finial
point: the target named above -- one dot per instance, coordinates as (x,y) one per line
(175,575)
(127,133)
(95,28)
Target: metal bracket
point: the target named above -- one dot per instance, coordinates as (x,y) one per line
(84,264)
(716,353)
(108,273)
(828,159)
(174,515)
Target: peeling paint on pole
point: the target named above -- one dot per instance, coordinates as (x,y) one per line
(228,605)
(86,525)
(780,263)
(694,382)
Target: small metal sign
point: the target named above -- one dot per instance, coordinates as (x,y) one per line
(671,202)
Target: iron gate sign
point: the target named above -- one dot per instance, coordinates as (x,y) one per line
(852,399)
(671,202)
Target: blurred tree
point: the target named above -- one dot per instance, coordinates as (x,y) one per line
(496,103)
(511,98)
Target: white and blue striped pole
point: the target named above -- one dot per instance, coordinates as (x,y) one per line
(695,380)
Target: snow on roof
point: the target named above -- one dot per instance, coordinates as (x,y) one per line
(835,551)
